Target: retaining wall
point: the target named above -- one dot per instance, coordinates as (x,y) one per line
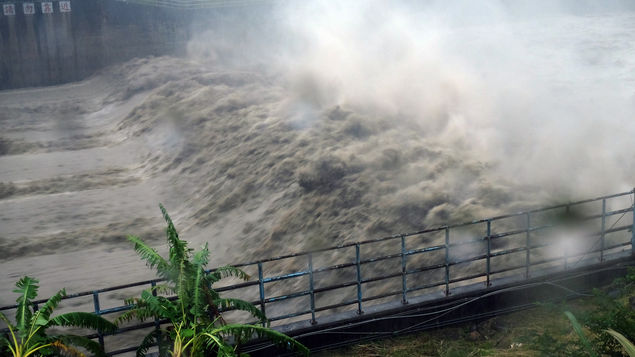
(52,48)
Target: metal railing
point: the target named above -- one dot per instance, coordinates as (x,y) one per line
(431,261)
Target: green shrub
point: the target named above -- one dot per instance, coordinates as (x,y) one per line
(28,335)
(612,312)
(197,327)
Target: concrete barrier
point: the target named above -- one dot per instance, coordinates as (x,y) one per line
(42,49)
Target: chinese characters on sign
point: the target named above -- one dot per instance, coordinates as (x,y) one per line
(9,9)
(65,6)
(29,8)
(47,7)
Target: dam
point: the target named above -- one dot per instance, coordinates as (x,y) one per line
(296,136)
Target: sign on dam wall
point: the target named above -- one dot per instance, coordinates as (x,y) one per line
(53,42)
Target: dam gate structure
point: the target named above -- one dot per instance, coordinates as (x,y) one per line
(413,281)
(50,42)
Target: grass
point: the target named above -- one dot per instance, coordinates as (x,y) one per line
(508,335)
(541,331)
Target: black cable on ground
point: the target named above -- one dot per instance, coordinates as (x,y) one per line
(442,312)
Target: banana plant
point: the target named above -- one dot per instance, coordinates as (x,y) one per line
(626,344)
(28,337)
(629,347)
(577,327)
(197,327)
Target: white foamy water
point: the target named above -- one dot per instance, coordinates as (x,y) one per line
(371,128)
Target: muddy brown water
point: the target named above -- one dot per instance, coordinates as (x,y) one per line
(256,167)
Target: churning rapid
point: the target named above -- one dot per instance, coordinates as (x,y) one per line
(368,119)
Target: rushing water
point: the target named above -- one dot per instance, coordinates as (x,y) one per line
(502,116)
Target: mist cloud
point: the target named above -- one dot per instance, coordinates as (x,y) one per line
(544,93)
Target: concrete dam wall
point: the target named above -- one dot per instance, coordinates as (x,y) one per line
(47,43)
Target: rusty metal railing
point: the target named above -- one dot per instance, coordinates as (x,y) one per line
(431,261)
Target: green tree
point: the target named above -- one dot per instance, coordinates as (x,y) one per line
(197,326)
(28,335)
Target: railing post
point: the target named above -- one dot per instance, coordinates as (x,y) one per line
(527,244)
(261,287)
(489,251)
(404,287)
(602,244)
(633,227)
(311,292)
(157,321)
(447,261)
(359,280)
(153,285)
(565,245)
(98,312)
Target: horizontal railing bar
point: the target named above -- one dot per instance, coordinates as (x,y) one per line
(286,276)
(581,254)
(468,242)
(507,234)
(378,259)
(236,286)
(348,284)
(433,267)
(398,255)
(120,287)
(87,293)
(617,229)
(424,250)
(335,306)
(402,254)
(333,267)
(335,287)
(500,235)
(286,297)
(481,240)
(347,245)
(113,310)
(576,203)
(607,214)
(562,205)
(439,266)
(617,245)
(441,228)
(469,277)
(426,268)
(428,230)
(543,245)
(612,230)
(540,228)
(550,260)
(468,260)
(288,316)
(427,286)
(378,278)
(508,251)
(307,292)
